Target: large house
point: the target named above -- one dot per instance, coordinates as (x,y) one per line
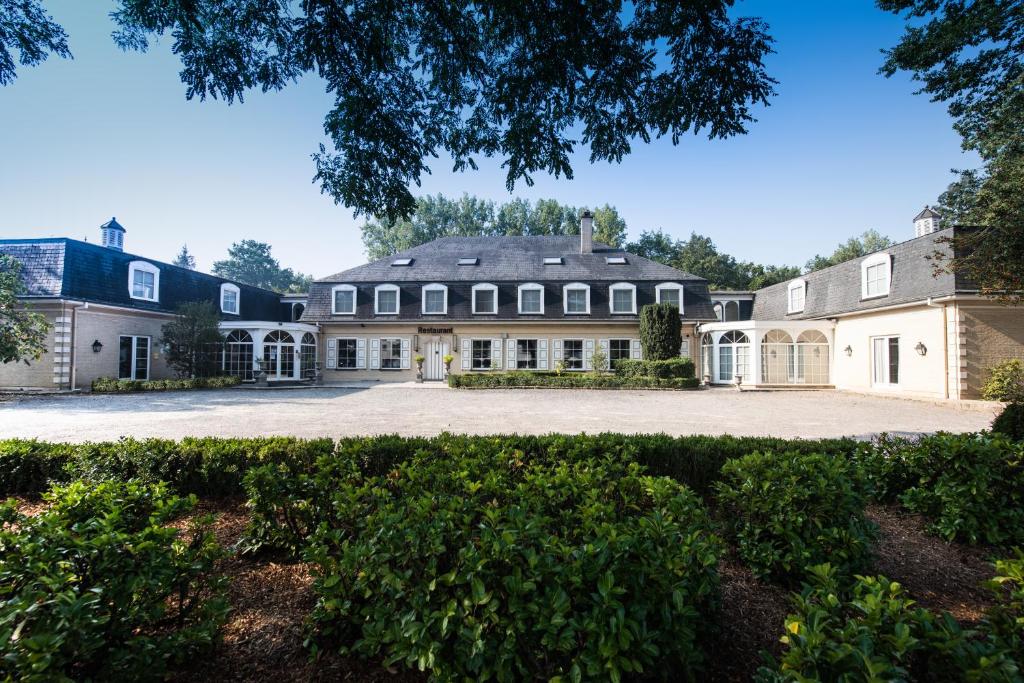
(882,323)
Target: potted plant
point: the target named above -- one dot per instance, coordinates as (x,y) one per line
(419,367)
(448,358)
(259,376)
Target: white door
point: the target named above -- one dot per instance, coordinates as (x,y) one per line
(433,364)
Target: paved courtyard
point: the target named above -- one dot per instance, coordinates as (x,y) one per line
(426,410)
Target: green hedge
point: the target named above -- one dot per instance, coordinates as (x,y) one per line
(661,369)
(565,380)
(1010,422)
(109,385)
(661,335)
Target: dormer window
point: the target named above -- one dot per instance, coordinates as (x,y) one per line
(143,281)
(485,299)
(670,293)
(875,276)
(343,299)
(615,260)
(552,260)
(435,299)
(622,298)
(469,261)
(400,262)
(531,299)
(230,297)
(386,300)
(797,294)
(576,299)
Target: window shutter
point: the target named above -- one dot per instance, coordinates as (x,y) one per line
(375,354)
(542,354)
(557,348)
(405,354)
(606,346)
(588,354)
(332,352)
(467,353)
(495,352)
(360,352)
(635,349)
(510,345)
(684,348)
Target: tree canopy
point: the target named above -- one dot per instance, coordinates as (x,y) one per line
(529,83)
(192,339)
(22,331)
(251,263)
(185,259)
(869,241)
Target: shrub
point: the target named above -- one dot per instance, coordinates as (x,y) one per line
(1005,621)
(660,331)
(788,511)
(1010,422)
(28,467)
(565,380)
(661,369)
(97,587)
(109,385)
(1005,382)
(487,565)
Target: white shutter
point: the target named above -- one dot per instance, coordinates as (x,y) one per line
(360,352)
(635,349)
(467,353)
(684,348)
(495,353)
(588,354)
(510,347)
(332,353)
(375,354)
(542,354)
(606,347)
(405,354)
(556,346)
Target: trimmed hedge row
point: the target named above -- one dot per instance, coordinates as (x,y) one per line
(566,380)
(109,385)
(661,369)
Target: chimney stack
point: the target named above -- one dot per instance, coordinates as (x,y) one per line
(586,233)
(112,235)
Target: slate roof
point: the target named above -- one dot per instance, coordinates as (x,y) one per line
(67,268)
(837,290)
(506,262)
(927,212)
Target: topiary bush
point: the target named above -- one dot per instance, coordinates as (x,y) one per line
(661,369)
(1010,422)
(109,385)
(98,587)
(491,566)
(787,511)
(1005,382)
(661,335)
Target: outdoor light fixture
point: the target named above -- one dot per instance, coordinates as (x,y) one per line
(921,349)
(97,346)
(848,350)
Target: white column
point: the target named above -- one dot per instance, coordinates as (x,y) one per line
(756,339)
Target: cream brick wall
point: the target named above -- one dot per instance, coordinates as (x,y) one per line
(107,325)
(988,333)
(38,374)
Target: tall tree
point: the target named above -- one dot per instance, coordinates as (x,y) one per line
(251,263)
(609,226)
(411,81)
(28,28)
(184,259)
(869,241)
(970,55)
(22,331)
(192,339)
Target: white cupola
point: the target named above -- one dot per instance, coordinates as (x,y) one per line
(112,235)
(927,222)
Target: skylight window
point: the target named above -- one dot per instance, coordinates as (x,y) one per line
(402,262)
(616,260)
(468,261)
(553,261)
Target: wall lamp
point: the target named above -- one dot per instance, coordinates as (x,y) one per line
(97,346)
(848,350)
(921,349)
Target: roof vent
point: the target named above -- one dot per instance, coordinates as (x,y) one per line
(112,235)
(402,262)
(469,261)
(616,260)
(552,260)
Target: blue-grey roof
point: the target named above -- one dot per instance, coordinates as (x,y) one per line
(42,264)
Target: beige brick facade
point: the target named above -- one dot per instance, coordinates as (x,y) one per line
(985,334)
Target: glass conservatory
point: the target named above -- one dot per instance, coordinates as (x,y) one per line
(282,351)
(767,353)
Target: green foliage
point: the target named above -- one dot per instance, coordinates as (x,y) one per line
(193,339)
(484,565)
(661,369)
(971,486)
(22,332)
(855,247)
(787,511)
(599,359)
(1010,422)
(660,332)
(109,385)
(251,263)
(185,259)
(27,26)
(1005,382)
(565,380)
(98,587)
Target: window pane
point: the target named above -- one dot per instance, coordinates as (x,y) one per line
(141,358)
(526,354)
(572,354)
(344,301)
(531,300)
(230,301)
(124,360)
(576,301)
(347,354)
(391,354)
(387,301)
(484,300)
(618,349)
(725,363)
(143,284)
(622,300)
(434,301)
(481,354)
(670,296)
(894,360)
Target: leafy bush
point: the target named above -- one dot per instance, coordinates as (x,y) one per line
(788,511)
(1005,382)
(661,369)
(1010,422)
(97,587)
(27,467)
(487,565)
(661,335)
(109,385)
(971,486)
(1005,621)
(565,380)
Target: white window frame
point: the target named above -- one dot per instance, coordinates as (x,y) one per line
(796,285)
(224,289)
(488,287)
(337,355)
(530,286)
(565,298)
(376,299)
(611,298)
(583,355)
(433,287)
(489,345)
(146,267)
(669,285)
(888,383)
(334,299)
(135,354)
(871,262)
(381,354)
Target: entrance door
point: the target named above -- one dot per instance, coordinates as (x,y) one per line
(433,364)
(279,355)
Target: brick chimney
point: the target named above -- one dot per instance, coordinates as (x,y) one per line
(586,233)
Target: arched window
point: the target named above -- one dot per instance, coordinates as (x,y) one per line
(707,349)
(279,355)
(230,298)
(237,359)
(307,355)
(297,311)
(777,358)
(812,358)
(732,311)
(733,356)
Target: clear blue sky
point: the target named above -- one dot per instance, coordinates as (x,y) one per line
(840,150)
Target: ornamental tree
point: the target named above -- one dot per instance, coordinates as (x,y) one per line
(192,339)
(22,331)
(660,332)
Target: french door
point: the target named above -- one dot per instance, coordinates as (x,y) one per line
(279,355)
(885,361)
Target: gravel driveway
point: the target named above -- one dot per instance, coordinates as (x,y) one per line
(430,409)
